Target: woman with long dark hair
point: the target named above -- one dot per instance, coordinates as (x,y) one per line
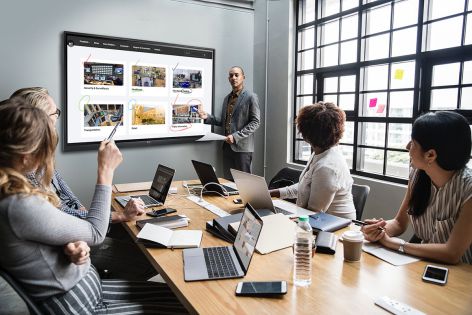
(438,199)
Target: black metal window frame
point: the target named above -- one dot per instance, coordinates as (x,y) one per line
(424,63)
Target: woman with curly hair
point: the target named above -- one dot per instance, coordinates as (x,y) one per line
(325,183)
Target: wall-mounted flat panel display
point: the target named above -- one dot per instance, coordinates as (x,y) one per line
(153,90)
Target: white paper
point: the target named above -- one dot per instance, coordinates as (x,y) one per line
(156,234)
(390,256)
(212,137)
(186,238)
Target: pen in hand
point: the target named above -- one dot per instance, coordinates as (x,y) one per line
(362,223)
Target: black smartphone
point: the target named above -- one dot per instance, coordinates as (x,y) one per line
(160,212)
(435,274)
(238,201)
(264,288)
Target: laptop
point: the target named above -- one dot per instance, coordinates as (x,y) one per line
(206,174)
(226,261)
(159,189)
(253,189)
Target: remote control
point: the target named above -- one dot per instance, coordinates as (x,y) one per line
(396,307)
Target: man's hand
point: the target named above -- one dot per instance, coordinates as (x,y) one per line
(134,208)
(202,114)
(78,252)
(229,139)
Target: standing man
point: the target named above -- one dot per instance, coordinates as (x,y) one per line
(240,118)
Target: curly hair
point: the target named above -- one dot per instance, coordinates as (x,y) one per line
(321,124)
(26,131)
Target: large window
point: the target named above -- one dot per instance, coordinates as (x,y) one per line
(384,63)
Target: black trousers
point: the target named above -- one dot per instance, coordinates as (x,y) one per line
(238,160)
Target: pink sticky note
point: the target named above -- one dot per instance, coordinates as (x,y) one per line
(381,108)
(373,102)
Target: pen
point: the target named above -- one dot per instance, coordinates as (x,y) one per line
(362,223)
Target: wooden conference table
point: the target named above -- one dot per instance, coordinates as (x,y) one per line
(337,287)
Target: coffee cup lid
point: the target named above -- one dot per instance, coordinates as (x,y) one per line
(353,236)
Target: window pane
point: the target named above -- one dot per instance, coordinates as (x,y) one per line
(377,20)
(375,77)
(349,4)
(444,99)
(376,47)
(440,8)
(372,134)
(348,136)
(328,56)
(306,38)
(370,160)
(444,34)
(347,83)
(329,7)
(404,42)
(349,27)
(466,98)
(332,98)
(401,104)
(331,85)
(398,164)
(305,60)
(302,151)
(402,75)
(398,135)
(467,73)
(468,28)
(405,13)
(447,74)
(306,11)
(303,101)
(373,105)
(328,33)
(346,101)
(348,52)
(305,84)
(348,153)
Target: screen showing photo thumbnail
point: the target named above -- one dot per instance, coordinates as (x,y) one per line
(186,114)
(188,79)
(99,115)
(148,76)
(98,73)
(148,115)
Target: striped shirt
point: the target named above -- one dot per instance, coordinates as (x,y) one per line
(436,223)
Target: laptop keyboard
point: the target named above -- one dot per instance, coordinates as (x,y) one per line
(219,263)
(147,200)
(284,212)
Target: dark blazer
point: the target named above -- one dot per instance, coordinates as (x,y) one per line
(245,120)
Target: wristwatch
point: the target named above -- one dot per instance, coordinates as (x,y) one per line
(401,249)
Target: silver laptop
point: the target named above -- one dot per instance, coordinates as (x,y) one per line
(159,189)
(226,261)
(253,189)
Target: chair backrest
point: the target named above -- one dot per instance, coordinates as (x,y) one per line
(285,177)
(33,309)
(359,196)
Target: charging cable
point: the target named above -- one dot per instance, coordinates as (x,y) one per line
(225,192)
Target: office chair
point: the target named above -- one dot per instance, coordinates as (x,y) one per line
(285,177)
(359,196)
(33,309)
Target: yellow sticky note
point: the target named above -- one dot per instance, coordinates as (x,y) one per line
(399,74)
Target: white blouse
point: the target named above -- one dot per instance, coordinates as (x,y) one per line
(325,185)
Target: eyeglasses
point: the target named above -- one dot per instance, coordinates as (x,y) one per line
(57,112)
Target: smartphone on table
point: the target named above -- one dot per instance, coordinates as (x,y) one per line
(160,212)
(261,288)
(435,274)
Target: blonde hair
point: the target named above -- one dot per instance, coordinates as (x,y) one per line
(36,96)
(26,131)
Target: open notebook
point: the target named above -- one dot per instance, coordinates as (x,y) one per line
(158,236)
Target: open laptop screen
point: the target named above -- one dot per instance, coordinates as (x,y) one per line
(161,183)
(248,233)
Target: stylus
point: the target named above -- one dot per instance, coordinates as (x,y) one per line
(362,223)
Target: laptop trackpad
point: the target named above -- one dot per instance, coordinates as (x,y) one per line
(194,264)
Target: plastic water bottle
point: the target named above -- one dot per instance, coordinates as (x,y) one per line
(302,253)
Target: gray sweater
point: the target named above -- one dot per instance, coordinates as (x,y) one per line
(33,234)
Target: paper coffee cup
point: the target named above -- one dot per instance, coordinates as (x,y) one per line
(352,244)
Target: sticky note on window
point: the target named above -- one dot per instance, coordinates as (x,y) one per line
(399,74)
(373,102)
(381,108)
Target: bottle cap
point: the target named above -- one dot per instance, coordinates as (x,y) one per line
(303,218)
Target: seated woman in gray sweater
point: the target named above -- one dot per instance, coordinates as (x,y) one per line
(33,231)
